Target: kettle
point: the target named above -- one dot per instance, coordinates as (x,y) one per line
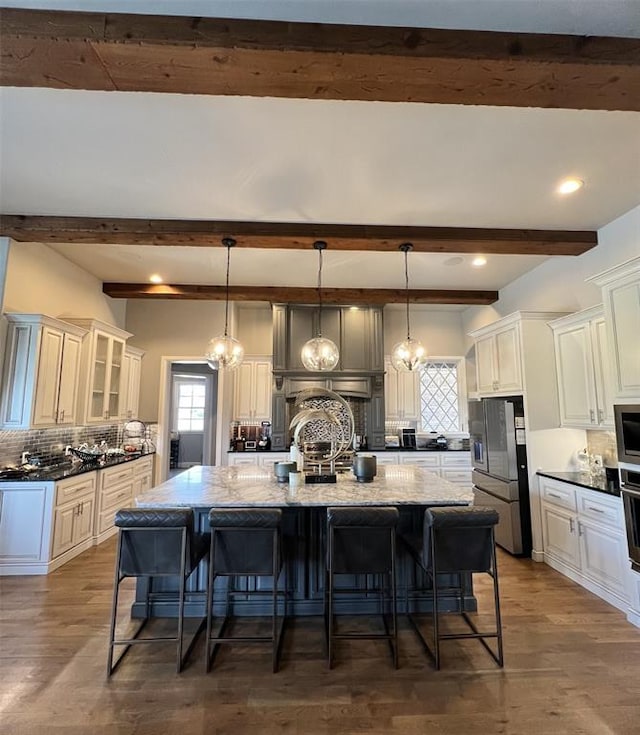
(441,442)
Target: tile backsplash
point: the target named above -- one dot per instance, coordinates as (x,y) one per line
(604,444)
(49,444)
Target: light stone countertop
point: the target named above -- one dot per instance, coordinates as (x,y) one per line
(249,486)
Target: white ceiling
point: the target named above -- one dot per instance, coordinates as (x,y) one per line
(178,156)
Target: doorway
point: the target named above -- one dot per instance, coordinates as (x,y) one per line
(192,416)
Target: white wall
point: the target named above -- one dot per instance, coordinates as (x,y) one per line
(255,329)
(40,281)
(168,328)
(439,330)
(558,284)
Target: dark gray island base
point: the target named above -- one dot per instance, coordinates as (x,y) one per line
(411,489)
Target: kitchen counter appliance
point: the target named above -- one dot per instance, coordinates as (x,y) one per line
(630,490)
(500,477)
(407,438)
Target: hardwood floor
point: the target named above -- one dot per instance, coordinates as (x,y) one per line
(572,666)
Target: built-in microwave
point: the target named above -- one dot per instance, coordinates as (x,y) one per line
(627,420)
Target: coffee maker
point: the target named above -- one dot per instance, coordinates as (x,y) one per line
(264,442)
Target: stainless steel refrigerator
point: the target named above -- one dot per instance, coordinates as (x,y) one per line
(500,477)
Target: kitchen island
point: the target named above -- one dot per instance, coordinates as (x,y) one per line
(409,488)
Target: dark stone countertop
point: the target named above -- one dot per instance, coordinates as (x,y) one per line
(63,470)
(360,451)
(584,479)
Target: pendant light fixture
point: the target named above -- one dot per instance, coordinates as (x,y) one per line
(225,351)
(410,355)
(320,354)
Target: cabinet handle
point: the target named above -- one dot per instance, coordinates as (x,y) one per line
(554,495)
(62,415)
(595,510)
(579,528)
(600,416)
(571,525)
(593,415)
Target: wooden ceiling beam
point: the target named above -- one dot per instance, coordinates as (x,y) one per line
(295,236)
(150,53)
(298,295)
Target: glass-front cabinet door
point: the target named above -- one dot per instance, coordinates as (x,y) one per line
(105,379)
(103,370)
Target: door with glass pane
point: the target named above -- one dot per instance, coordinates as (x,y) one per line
(190,418)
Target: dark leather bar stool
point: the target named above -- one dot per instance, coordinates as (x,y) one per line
(455,541)
(245,542)
(155,542)
(361,540)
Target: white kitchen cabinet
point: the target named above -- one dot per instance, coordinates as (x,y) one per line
(452,466)
(621,300)
(25,527)
(514,357)
(131,369)
(102,368)
(253,390)
(73,516)
(582,368)
(401,394)
(584,538)
(498,360)
(115,490)
(41,372)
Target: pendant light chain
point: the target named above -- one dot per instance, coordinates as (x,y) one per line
(226,303)
(406,285)
(319,292)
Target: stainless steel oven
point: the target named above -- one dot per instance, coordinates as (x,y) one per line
(630,491)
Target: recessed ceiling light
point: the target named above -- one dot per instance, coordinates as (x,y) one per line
(568,186)
(455,260)
(479,261)
(155,278)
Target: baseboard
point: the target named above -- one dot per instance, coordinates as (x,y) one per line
(633,616)
(537,556)
(576,576)
(70,554)
(23,569)
(105,535)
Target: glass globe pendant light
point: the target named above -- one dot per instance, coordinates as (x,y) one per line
(320,354)
(409,355)
(225,351)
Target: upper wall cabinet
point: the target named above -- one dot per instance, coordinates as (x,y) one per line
(621,301)
(513,358)
(131,368)
(582,368)
(253,390)
(41,372)
(357,332)
(401,394)
(102,366)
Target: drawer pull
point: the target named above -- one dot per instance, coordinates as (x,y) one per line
(554,495)
(595,510)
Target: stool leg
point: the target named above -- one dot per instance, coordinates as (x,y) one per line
(274,613)
(496,597)
(210,582)
(183,582)
(434,578)
(394,599)
(114,607)
(330,601)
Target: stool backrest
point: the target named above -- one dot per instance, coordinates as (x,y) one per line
(461,538)
(154,541)
(244,540)
(362,539)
